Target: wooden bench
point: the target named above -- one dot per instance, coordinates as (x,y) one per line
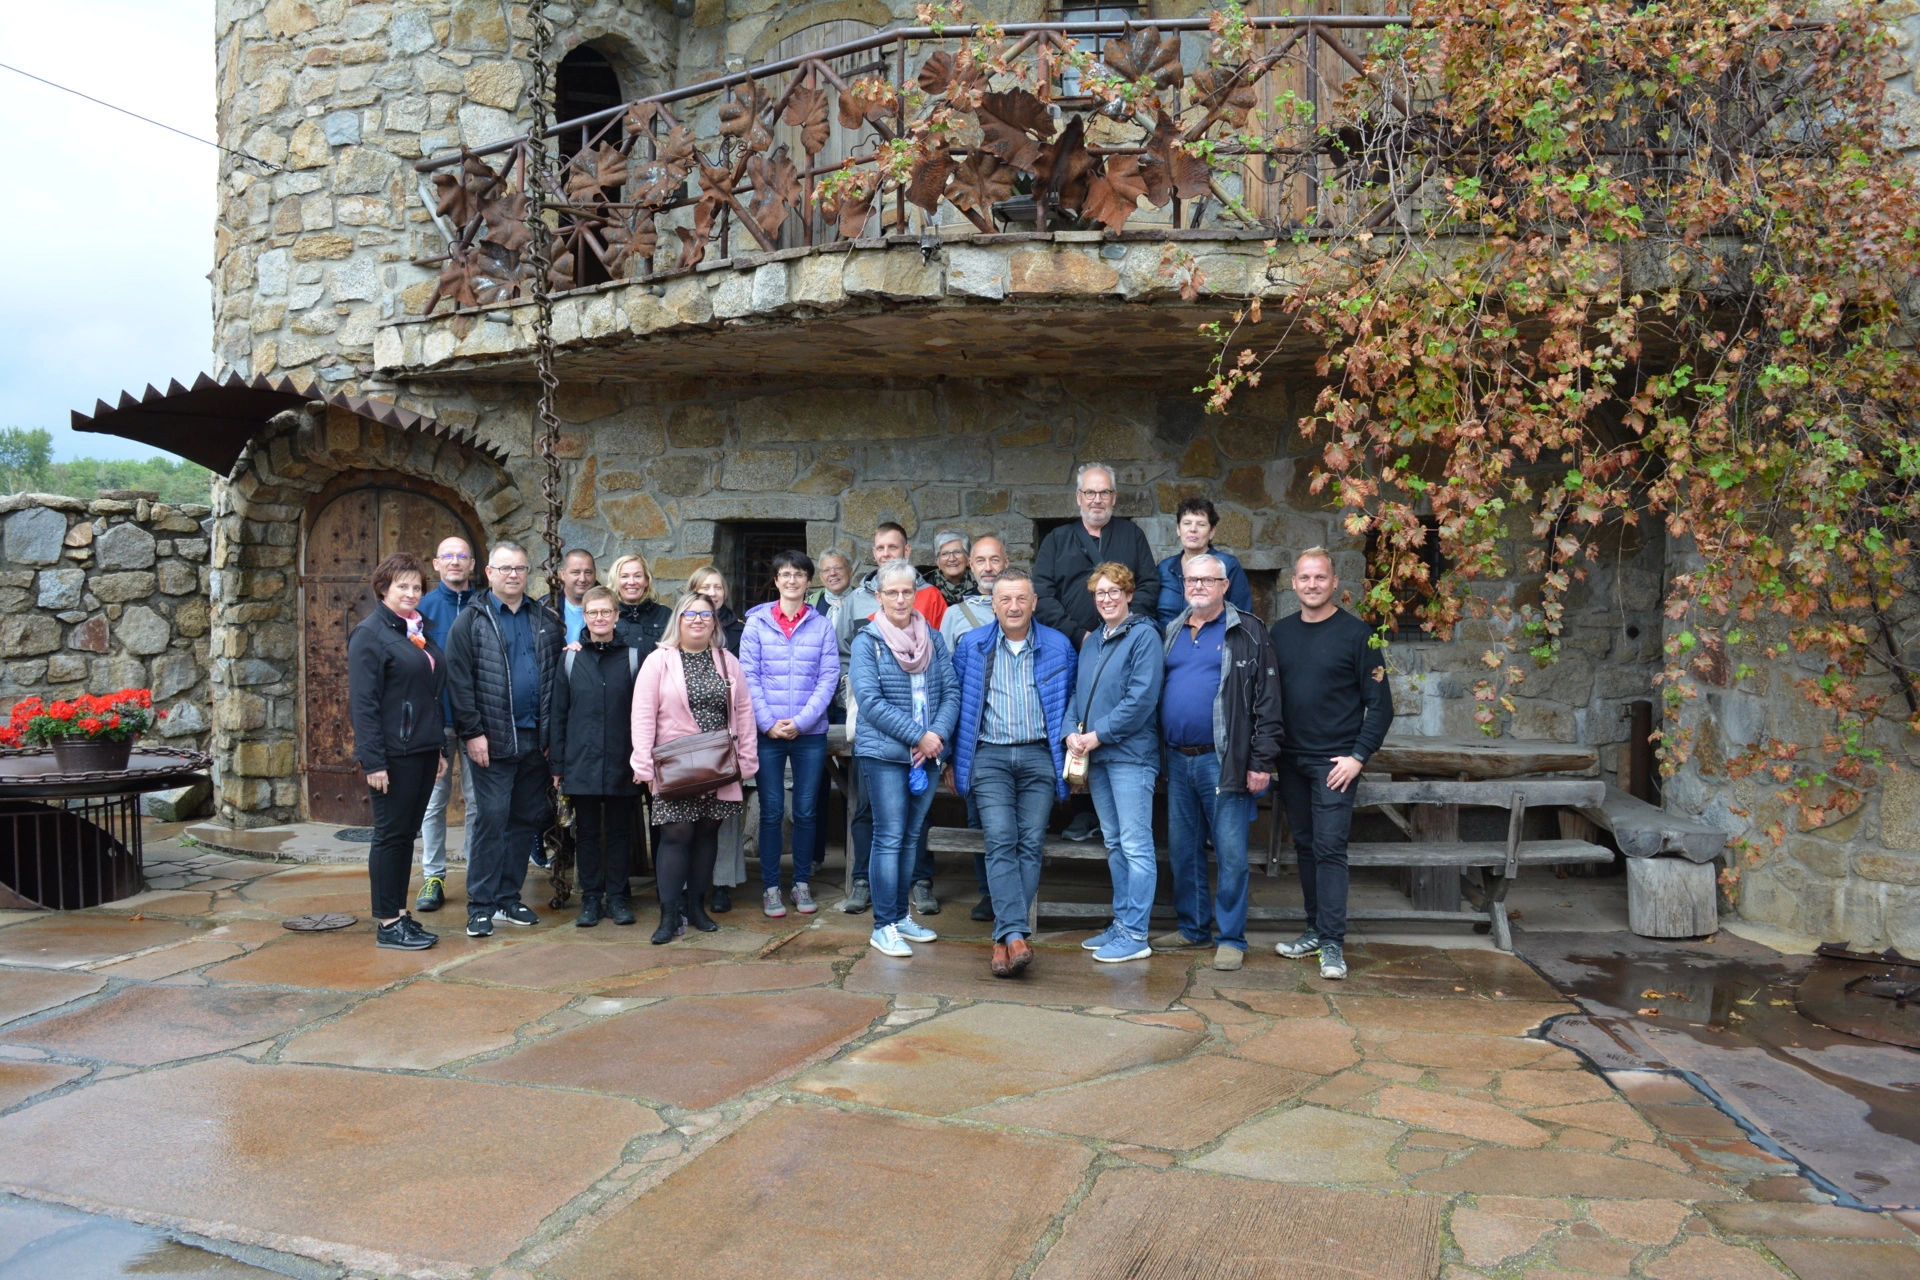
(1672,889)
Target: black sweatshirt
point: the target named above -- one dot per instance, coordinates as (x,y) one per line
(1333,688)
(1070,553)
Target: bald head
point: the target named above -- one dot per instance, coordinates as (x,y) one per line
(988,560)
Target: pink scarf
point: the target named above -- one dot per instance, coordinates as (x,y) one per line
(912,645)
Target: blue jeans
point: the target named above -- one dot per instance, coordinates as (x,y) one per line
(1013,787)
(1123,797)
(1321,818)
(433,828)
(863,840)
(898,815)
(808,756)
(1197,807)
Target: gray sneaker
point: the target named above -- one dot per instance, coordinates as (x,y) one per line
(1304,945)
(1177,941)
(771,904)
(923,900)
(803,898)
(858,899)
(1333,960)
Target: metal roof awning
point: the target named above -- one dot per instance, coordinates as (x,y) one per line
(211,422)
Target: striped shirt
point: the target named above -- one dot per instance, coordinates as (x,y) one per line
(1013,712)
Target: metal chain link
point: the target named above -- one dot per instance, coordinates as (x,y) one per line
(546,441)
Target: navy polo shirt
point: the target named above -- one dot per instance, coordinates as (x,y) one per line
(1193,679)
(522,663)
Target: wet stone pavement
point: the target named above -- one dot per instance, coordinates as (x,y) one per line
(778,1099)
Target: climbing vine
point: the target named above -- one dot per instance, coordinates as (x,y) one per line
(1632,264)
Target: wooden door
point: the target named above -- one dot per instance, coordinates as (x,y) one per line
(351,530)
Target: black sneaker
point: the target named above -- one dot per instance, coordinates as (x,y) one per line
(1084,827)
(397,937)
(983,909)
(433,895)
(619,910)
(479,924)
(516,913)
(413,926)
(721,900)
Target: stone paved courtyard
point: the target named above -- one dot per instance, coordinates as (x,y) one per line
(777,1099)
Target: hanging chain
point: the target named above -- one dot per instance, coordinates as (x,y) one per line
(533,175)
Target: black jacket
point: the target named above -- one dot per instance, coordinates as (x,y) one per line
(641,625)
(1068,555)
(590,730)
(393,690)
(729,626)
(481,687)
(1246,710)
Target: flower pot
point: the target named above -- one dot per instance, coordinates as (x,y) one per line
(76,754)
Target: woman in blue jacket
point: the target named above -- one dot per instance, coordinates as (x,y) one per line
(905,706)
(1116,706)
(1196,520)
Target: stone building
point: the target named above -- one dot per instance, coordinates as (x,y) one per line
(756,378)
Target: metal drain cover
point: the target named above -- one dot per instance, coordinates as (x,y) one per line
(319,923)
(356,835)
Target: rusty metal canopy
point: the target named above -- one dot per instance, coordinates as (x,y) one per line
(211,422)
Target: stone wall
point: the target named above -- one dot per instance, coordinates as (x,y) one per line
(104,595)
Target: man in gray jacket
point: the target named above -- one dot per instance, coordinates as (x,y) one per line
(500,659)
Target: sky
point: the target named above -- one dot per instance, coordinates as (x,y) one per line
(108,222)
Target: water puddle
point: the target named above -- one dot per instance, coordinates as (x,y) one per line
(44,1242)
(1723,1012)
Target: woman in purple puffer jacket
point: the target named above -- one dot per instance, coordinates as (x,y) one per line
(792,661)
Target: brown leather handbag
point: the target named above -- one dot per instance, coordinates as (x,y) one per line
(700,762)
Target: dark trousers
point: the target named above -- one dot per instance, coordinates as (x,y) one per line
(1321,818)
(836,714)
(604,826)
(397,812)
(808,756)
(1014,788)
(513,812)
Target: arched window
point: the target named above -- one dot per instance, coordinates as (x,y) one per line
(583,84)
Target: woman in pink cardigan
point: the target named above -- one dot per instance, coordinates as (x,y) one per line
(689,685)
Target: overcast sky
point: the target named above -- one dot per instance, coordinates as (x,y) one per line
(107,222)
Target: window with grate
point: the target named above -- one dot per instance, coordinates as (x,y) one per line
(744,551)
(1406,620)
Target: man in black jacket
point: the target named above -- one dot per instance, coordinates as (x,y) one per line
(1333,686)
(1067,556)
(1220,718)
(500,658)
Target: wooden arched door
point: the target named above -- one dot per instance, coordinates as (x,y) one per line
(353,524)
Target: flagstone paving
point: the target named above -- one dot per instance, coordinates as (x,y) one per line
(777,1099)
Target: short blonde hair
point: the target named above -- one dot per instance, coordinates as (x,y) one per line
(632,557)
(1314,553)
(1121,575)
(701,576)
(670,638)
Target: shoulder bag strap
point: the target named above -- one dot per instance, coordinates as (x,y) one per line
(1097,673)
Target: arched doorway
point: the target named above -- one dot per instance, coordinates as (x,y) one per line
(355,522)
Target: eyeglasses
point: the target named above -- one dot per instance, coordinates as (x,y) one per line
(602,614)
(508,569)
(1204,582)
(1097,494)
(955,554)
(1111,593)
(454,557)
(697,615)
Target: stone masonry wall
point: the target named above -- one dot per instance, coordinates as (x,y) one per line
(104,595)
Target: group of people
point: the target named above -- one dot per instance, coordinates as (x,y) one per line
(1086,682)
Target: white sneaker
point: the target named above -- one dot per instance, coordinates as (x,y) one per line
(913,931)
(886,940)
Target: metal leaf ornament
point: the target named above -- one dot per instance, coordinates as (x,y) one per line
(776,190)
(866,100)
(597,175)
(1218,88)
(979,182)
(1113,195)
(1013,126)
(1169,169)
(807,108)
(928,181)
(1146,55)
(1060,174)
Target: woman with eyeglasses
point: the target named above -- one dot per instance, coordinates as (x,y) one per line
(1196,519)
(590,747)
(792,661)
(395,676)
(730,869)
(643,620)
(907,703)
(1116,708)
(689,685)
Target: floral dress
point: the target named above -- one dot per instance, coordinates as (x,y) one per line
(707,696)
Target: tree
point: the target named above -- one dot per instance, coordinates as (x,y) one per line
(25,455)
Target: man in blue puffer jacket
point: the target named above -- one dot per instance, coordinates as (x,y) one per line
(1015,680)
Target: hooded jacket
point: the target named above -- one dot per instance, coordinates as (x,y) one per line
(393,691)
(1117,693)
(480,684)
(1246,707)
(590,730)
(1053,667)
(790,679)
(862,601)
